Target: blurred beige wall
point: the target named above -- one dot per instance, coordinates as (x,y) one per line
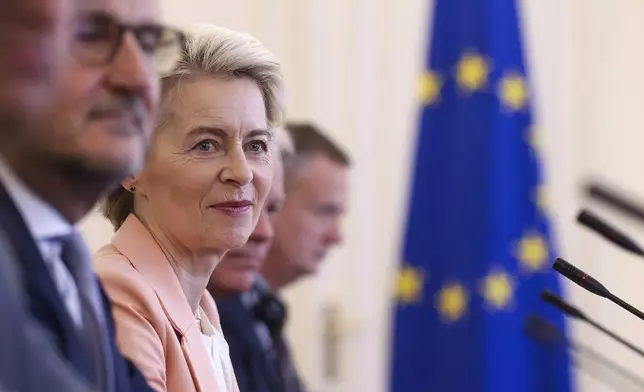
(351,65)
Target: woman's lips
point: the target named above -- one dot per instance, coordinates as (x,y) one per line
(234,208)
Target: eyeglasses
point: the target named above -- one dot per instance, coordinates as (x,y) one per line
(98,38)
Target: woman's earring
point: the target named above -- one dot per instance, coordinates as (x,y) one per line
(132,188)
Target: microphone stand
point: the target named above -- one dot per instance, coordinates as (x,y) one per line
(549,336)
(593,285)
(574,312)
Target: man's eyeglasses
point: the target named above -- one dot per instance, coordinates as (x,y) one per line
(98,38)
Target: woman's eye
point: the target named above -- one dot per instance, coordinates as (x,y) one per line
(258,146)
(205,146)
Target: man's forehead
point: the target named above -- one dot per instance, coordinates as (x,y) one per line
(129,11)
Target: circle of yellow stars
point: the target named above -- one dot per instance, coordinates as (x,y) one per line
(497,288)
(472,74)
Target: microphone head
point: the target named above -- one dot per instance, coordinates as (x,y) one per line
(562,305)
(588,219)
(542,331)
(580,277)
(602,228)
(613,199)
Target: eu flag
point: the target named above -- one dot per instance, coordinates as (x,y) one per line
(477,248)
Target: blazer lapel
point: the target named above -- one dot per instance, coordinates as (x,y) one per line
(45,301)
(135,242)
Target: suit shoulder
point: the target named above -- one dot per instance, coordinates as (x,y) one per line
(142,329)
(127,287)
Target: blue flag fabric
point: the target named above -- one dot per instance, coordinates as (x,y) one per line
(477,247)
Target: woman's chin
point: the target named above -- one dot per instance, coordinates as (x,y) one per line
(232,239)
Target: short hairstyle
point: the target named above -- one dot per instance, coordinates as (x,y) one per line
(211,50)
(309,141)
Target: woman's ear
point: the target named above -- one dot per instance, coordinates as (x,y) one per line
(129,184)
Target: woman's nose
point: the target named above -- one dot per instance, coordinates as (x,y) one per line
(237,169)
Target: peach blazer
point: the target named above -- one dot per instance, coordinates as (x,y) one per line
(155,327)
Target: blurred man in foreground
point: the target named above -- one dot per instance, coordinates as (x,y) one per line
(32,42)
(301,233)
(93,134)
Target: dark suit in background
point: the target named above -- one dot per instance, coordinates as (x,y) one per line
(253,325)
(254,369)
(47,307)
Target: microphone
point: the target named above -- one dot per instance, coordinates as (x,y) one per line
(603,194)
(549,335)
(598,225)
(591,284)
(575,312)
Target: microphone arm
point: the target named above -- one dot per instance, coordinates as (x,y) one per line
(593,285)
(613,199)
(575,312)
(598,225)
(547,334)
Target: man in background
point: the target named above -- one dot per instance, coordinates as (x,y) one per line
(306,228)
(301,233)
(91,136)
(309,223)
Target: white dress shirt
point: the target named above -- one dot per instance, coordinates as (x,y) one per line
(218,349)
(46,226)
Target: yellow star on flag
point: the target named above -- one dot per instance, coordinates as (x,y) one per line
(533,251)
(409,285)
(498,290)
(534,138)
(472,72)
(452,302)
(429,87)
(513,91)
(541,197)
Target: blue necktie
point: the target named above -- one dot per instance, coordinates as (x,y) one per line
(93,332)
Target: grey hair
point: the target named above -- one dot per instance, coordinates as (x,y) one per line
(211,50)
(217,51)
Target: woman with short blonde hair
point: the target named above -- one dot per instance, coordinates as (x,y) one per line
(200,193)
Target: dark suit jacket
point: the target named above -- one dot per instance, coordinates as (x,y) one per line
(47,307)
(253,369)
(28,360)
